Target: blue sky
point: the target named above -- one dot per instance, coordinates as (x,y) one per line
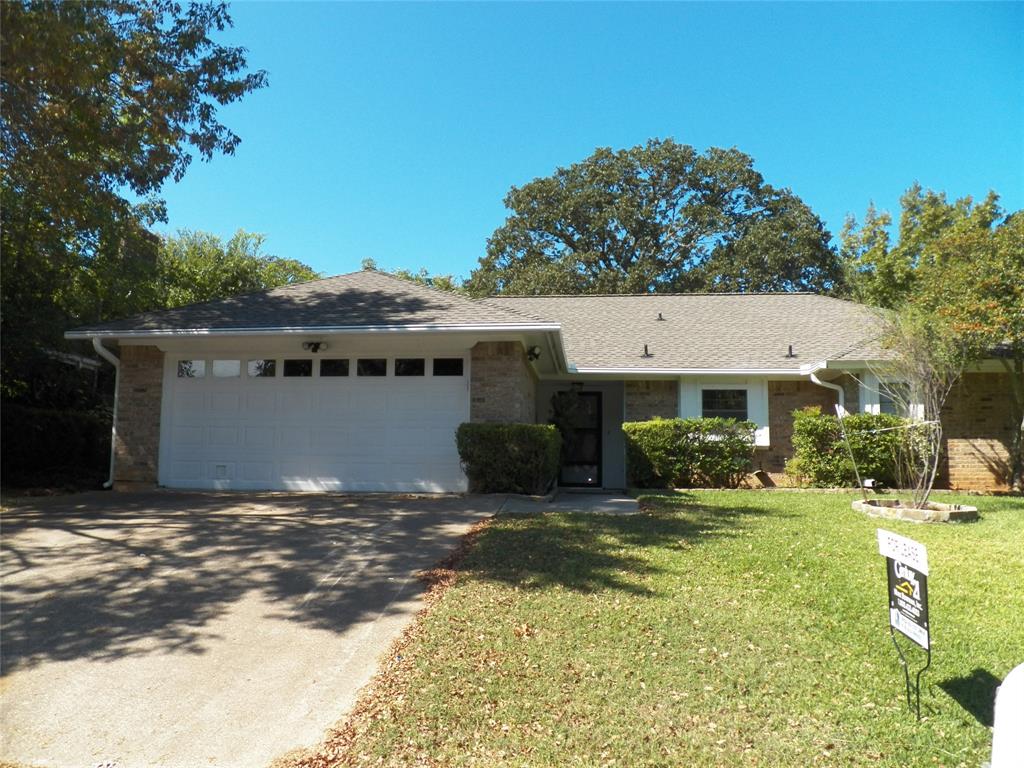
(394,131)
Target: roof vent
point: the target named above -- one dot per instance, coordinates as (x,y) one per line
(791,354)
(646,353)
(660,316)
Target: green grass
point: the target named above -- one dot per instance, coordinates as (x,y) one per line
(731,628)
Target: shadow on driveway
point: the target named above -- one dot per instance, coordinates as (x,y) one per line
(94,575)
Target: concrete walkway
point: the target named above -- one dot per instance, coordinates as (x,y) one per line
(185,630)
(568,501)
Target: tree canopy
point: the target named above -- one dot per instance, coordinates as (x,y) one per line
(104,101)
(960,266)
(657,217)
(199,266)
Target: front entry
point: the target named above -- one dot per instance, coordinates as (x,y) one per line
(581,455)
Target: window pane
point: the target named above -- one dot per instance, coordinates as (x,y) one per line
(724,403)
(410,366)
(262,368)
(226,369)
(372,366)
(893,399)
(447,366)
(191,369)
(334,367)
(298,367)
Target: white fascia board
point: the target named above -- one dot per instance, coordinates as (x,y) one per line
(311,330)
(692,371)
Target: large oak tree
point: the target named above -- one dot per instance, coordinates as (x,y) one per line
(657,217)
(103,102)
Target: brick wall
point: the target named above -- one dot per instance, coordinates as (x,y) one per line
(650,399)
(784,397)
(502,385)
(978,428)
(137,447)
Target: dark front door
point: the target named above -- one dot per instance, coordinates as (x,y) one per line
(581,457)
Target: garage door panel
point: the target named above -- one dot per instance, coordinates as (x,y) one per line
(223,436)
(260,404)
(259,438)
(312,434)
(224,404)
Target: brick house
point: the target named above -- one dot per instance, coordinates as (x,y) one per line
(358,382)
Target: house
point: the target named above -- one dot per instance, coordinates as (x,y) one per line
(358,382)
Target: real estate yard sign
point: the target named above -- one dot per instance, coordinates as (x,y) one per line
(906,562)
(906,565)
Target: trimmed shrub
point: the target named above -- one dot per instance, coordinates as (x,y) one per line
(44,446)
(689,453)
(821,459)
(509,458)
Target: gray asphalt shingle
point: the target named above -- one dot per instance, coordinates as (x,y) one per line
(697,331)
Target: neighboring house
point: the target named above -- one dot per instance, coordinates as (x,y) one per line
(358,382)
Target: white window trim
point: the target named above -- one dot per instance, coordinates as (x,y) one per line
(691,389)
(870,386)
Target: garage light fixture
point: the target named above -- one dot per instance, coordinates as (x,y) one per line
(533,353)
(314,346)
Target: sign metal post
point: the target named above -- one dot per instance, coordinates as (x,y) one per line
(906,565)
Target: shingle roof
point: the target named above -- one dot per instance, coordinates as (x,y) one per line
(705,331)
(699,331)
(355,300)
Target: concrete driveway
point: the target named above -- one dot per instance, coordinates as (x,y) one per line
(174,629)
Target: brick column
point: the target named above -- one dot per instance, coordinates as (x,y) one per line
(140,392)
(977,432)
(502,386)
(784,397)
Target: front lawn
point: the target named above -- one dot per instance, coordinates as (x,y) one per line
(729,628)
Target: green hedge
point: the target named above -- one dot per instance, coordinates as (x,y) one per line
(509,458)
(689,453)
(43,446)
(822,460)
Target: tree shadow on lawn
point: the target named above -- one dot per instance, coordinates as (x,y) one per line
(976,693)
(592,552)
(106,576)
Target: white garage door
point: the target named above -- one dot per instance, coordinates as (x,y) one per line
(313,424)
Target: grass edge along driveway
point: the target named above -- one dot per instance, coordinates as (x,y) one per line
(732,628)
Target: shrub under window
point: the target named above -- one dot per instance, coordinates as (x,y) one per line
(509,458)
(821,459)
(689,453)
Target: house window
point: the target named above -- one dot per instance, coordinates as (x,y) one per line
(410,366)
(298,368)
(447,366)
(724,404)
(333,368)
(372,366)
(227,369)
(191,369)
(894,398)
(259,369)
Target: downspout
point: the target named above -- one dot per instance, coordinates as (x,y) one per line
(111,358)
(840,392)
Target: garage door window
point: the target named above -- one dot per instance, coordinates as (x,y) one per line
(227,369)
(191,369)
(300,368)
(262,369)
(447,366)
(410,366)
(372,366)
(334,367)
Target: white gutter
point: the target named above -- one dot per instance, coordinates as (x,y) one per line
(310,330)
(109,356)
(693,371)
(841,406)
